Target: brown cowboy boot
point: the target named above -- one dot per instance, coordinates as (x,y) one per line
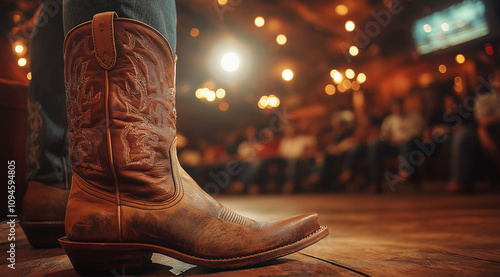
(130,197)
(44,207)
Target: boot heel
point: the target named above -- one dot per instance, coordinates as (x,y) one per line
(105,258)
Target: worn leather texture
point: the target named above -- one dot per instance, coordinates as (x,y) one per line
(128,185)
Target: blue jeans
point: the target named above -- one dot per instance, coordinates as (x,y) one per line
(46,148)
(381,148)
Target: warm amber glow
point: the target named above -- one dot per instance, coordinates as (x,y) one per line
(460,59)
(341,88)
(194,32)
(28,76)
(263,102)
(223,106)
(442,68)
(259,21)
(22,62)
(458,80)
(341,10)
(349,26)
(355,85)
(337,77)
(353,50)
(273,101)
(330,89)
(332,73)
(427,28)
(349,73)
(222,2)
(201,93)
(361,78)
(210,96)
(281,39)
(220,93)
(287,75)
(19,48)
(346,84)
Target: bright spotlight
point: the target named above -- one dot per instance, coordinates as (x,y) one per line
(230,62)
(287,75)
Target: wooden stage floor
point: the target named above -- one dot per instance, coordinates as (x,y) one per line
(370,235)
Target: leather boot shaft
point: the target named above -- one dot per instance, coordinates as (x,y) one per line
(119,76)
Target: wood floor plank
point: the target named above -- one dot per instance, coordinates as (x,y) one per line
(370,235)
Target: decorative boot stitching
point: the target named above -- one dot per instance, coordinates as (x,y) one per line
(148,98)
(228,215)
(83,141)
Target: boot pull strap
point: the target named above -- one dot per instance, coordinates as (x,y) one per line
(104,39)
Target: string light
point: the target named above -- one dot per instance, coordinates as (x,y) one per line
(259,21)
(22,62)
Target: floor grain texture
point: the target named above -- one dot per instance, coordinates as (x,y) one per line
(370,235)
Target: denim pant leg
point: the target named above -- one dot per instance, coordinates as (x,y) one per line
(159,14)
(46,148)
(376,151)
(465,152)
(353,155)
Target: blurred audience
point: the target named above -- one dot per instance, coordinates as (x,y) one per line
(397,137)
(472,144)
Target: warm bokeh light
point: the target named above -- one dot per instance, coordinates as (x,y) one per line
(445,27)
(210,96)
(337,77)
(222,2)
(220,93)
(442,68)
(19,48)
(349,26)
(263,102)
(361,78)
(194,32)
(458,80)
(332,73)
(259,21)
(223,106)
(287,75)
(281,39)
(330,89)
(201,93)
(460,59)
(346,84)
(230,62)
(28,76)
(458,88)
(273,101)
(341,88)
(355,85)
(341,10)
(22,62)
(353,50)
(349,73)
(427,28)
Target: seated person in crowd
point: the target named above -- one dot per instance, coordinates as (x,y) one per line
(397,137)
(472,144)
